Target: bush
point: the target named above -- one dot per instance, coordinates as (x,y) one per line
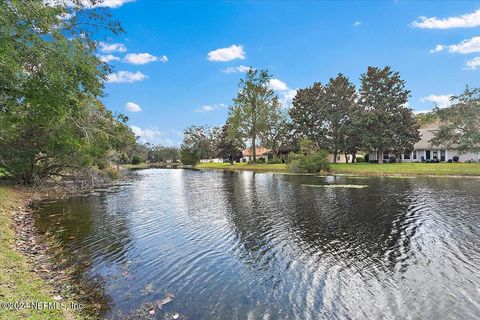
(295,156)
(275,160)
(137,160)
(188,158)
(456,158)
(361,159)
(312,163)
(366,157)
(261,160)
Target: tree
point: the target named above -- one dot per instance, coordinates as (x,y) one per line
(253,106)
(307,120)
(387,124)
(51,120)
(200,142)
(460,123)
(336,109)
(278,133)
(230,147)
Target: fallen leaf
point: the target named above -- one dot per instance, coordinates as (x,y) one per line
(175,316)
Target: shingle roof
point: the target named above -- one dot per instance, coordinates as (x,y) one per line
(259,151)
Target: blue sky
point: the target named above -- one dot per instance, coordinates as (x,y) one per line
(170,73)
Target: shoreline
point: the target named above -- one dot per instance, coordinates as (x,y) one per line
(28,272)
(470,170)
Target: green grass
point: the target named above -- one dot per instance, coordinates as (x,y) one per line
(17,281)
(438,169)
(277,167)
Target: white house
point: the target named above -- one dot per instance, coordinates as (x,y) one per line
(423,151)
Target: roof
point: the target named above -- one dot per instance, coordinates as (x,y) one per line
(426,134)
(259,151)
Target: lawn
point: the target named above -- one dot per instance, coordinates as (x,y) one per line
(441,169)
(18,283)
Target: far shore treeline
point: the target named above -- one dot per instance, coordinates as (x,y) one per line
(54,127)
(335,118)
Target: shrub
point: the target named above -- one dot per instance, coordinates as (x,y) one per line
(137,160)
(311,163)
(456,158)
(275,160)
(295,156)
(261,160)
(361,159)
(366,157)
(188,158)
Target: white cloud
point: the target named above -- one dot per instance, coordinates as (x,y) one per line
(238,69)
(473,64)
(126,77)
(288,96)
(357,23)
(142,58)
(464,47)
(112,3)
(468,20)
(442,101)
(278,85)
(88,3)
(285,94)
(111,47)
(155,136)
(108,58)
(438,47)
(132,107)
(211,107)
(226,54)
(147,134)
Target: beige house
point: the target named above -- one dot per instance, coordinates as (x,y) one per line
(424,151)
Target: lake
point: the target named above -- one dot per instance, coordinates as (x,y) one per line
(244,245)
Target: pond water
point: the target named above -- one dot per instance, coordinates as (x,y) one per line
(244,245)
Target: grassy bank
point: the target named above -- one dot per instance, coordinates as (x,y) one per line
(437,169)
(244,166)
(18,282)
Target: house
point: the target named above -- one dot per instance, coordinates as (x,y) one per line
(267,154)
(424,151)
(260,152)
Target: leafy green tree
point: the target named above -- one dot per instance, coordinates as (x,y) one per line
(337,110)
(253,106)
(307,119)
(460,123)
(200,142)
(230,147)
(51,120)
(387,124)
(278,134)
(161,154)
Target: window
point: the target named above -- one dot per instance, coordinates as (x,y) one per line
(406,156)
(442,155)
(385,156)
(414,155)
(338,157)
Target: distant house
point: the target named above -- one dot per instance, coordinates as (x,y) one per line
(424,151)
(260,152)
(267,154)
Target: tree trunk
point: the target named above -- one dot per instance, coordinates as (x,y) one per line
(254,151)
(346,157)
(354,157)
(335,156)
